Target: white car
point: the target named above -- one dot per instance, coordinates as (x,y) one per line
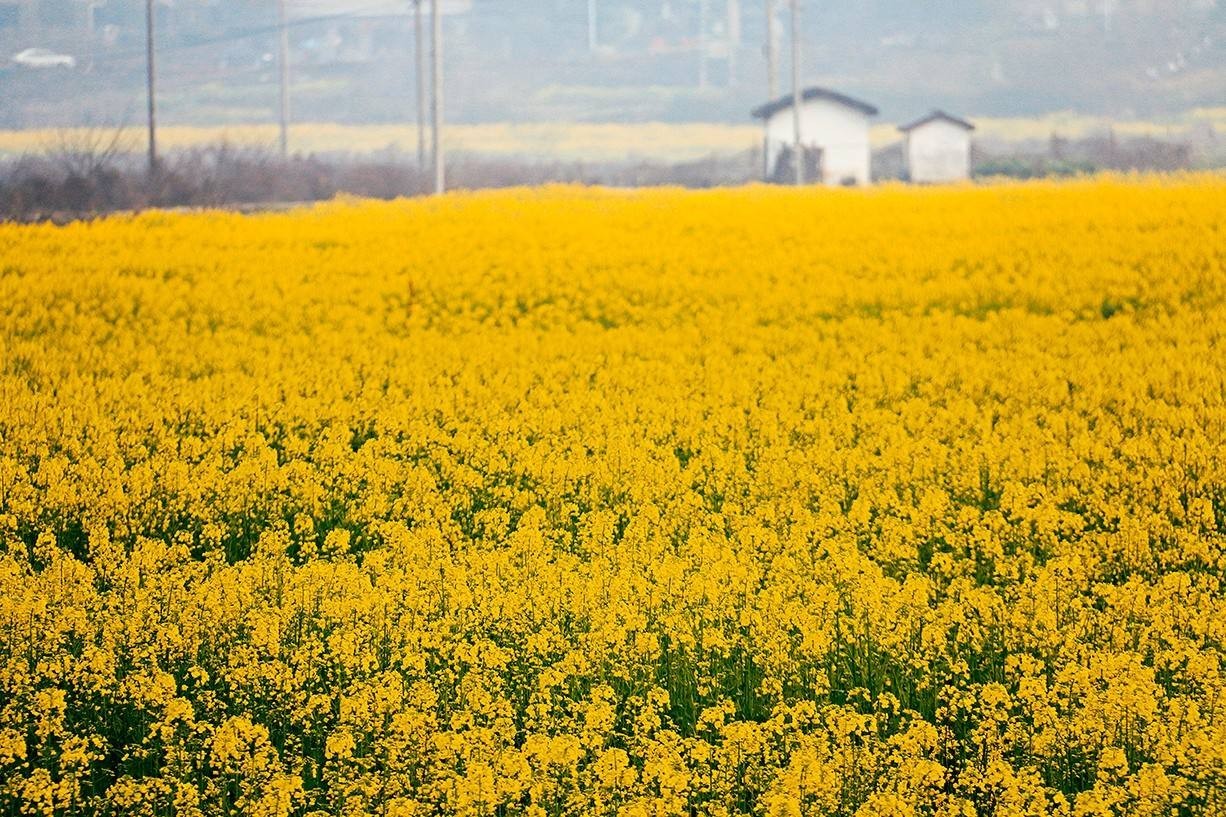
(44,58)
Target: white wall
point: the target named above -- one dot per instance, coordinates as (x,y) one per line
(939,152)
(841,132)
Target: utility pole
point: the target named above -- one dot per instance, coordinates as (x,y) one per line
(150,89)
(772,79)
(592,30)
(702,43)
(420,44)
(283,65)
(772,60)
(798,148)
(436,101)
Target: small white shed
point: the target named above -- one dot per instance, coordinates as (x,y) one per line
(833,130)
(938,149)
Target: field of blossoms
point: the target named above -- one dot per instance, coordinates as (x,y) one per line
(576,502)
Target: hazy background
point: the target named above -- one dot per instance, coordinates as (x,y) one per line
(526,61)
(625,93)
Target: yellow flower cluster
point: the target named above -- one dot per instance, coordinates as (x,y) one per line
(570,502)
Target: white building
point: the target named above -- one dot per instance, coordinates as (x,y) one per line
(833,129)
(938,149)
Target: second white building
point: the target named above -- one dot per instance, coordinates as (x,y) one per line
(938,149)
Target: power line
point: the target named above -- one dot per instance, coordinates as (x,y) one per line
(258,31)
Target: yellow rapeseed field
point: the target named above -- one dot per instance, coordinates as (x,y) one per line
(568,141)
(575,502)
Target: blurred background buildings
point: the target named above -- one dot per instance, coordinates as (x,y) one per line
(607,60)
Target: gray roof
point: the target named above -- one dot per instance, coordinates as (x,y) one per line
(934,117)
(782,103)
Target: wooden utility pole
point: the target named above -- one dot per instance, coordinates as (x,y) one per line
(436,100)
(772,60)
(283,65)
(419,37)
(798,149)
(772,79)
(150,89)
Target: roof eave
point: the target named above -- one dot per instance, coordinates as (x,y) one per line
(937,116)
(783,103)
